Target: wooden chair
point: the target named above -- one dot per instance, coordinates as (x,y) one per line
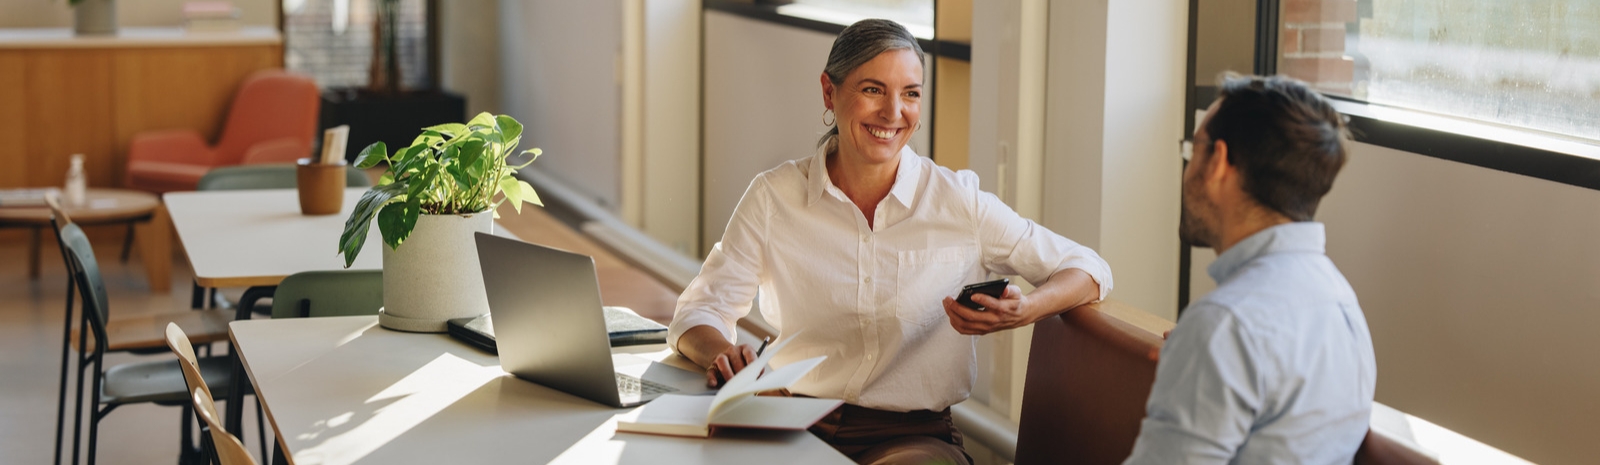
(153,382)
(229,451)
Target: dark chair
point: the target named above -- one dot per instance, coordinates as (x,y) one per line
(153,382)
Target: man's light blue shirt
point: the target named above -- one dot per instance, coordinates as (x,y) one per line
(1274,366)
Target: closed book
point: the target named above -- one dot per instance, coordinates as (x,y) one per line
(625,328)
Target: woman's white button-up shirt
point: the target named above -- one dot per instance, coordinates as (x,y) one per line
(869,297)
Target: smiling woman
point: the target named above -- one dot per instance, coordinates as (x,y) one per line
(861,247)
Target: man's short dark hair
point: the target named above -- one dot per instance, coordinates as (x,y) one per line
(1286,140)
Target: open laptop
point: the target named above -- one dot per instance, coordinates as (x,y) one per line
(551,330)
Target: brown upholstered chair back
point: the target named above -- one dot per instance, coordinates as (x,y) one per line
(1380,449)
(1089,374)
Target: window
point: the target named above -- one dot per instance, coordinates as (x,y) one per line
(1531,64)
(331,40)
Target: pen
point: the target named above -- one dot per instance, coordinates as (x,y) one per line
(764,342)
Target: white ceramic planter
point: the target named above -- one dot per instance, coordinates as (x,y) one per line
(434,276)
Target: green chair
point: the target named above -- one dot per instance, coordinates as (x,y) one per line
(266,176)
(329,293)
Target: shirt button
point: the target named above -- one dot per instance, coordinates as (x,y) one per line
(869,357)
(869,280)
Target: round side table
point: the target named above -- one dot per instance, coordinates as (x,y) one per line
(139,209)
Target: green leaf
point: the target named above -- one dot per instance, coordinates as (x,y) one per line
(528,195)
(355,228)
(397,220)
(483,120)
(427,138)
(421,185)
(449,129)
(513,192)
(510,129)
(371,155)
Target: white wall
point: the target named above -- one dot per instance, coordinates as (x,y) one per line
(763,105)
(136,13)
(1482,289)
(1114,123)
(559,76)
(469,55)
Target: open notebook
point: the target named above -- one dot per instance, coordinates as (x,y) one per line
(736,405)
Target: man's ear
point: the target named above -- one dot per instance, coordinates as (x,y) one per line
(827,91)
(1216,168)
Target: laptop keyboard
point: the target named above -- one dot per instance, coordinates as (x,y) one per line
(628,385)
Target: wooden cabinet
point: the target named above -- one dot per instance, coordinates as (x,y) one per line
(61,95)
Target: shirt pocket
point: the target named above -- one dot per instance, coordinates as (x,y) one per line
(925,277)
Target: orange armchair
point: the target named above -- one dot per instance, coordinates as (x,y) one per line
(273,119)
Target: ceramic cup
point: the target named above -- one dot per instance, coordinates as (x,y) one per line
(321,186)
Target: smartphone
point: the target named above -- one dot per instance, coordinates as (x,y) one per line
(994,289)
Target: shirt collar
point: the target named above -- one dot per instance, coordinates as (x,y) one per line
(1303,237)
(905,178)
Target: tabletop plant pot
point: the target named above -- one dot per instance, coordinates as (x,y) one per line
(435,276)
(428,204)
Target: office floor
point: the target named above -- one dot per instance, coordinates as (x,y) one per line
(30,358)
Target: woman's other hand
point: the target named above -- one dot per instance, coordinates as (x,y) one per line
(1006,312)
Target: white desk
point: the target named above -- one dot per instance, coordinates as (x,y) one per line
(344,390)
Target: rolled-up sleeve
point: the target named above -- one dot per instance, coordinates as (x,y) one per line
(1013,245)
(1206,394)
(723,291)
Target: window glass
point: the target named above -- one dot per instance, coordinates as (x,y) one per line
(331,40)
(1525,63)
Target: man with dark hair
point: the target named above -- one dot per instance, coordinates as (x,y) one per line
(1276,364)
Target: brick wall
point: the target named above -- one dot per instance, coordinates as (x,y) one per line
(1311,43)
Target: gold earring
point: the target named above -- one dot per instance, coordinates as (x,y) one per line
(827,117)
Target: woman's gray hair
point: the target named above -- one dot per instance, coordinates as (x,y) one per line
(857,45)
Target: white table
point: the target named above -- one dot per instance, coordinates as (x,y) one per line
(255,239)
(248,238)
(343,390)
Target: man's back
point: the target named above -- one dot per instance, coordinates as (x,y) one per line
(1275,366)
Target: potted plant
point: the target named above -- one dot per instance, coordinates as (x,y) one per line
(434,195)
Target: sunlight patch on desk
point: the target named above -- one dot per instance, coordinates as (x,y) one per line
(417,397)
(597,447)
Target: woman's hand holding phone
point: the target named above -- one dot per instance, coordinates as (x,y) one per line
(1004,312)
